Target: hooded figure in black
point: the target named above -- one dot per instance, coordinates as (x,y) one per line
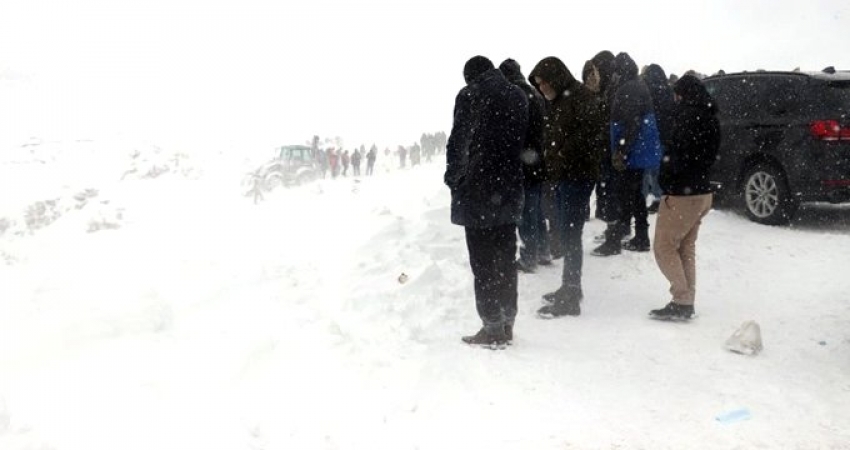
(662,102)
(693,145)
(484,174)
(597,77)
(572,136)
(635,146)
(532,227)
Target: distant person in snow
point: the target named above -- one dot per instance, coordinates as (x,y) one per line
(573,131)
(484,175)
(346,160)
(333,162)
(415,154)
(322,161)
(532,227)
(355,163)
(693,144)
(402,156)
(370,160)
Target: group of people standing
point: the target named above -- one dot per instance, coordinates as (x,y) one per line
(518,141)
(337,162)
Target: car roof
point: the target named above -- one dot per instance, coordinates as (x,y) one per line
(838,75)
(295,147)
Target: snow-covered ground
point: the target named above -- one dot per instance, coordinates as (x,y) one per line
(145,303)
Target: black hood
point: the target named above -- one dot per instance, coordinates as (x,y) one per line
(693,93)
(604,62)
(511,70)
(554,72)
(625,67)
(475,67)
(655,78)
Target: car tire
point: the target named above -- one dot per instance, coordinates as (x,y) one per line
(766,196)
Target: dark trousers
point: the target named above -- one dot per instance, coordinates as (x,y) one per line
(532,227)
(573,199)
(549,205)
(634,204)
(491,256)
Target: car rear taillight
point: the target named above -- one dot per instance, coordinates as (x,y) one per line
(830,130)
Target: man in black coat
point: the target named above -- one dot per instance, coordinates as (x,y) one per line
(532,227)
(635,148)
(484,173)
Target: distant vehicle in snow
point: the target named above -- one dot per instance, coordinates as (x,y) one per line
(293,165)
(785,140)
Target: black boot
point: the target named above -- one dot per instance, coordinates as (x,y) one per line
(490,336)
(564,302)
(560,308)
(609,248)
(637,245)
(563,293)
(673,311)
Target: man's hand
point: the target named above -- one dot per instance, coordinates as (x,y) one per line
(618,160)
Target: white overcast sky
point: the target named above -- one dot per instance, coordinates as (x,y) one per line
(370,71)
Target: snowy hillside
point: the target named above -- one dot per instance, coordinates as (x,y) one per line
(146,303)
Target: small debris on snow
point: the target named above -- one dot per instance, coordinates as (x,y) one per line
(734,416)
(746,340)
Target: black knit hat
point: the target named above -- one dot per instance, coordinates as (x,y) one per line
(475,67)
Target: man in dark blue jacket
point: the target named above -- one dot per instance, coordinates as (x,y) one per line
(484,173)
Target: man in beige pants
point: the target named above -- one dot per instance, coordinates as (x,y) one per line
(675,242)
(684,179)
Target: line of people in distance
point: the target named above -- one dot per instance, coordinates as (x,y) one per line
(516,139)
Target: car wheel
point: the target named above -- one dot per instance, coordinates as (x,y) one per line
(767,198)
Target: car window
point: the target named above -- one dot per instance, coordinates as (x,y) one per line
(778,96)
(758,97)
(729,94)
(836,99)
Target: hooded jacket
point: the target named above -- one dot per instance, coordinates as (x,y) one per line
(533,168)
(662,101)
(483,168)
(634,131)
(694,141)
(573,125)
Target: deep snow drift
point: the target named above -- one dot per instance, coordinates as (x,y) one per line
(145,303)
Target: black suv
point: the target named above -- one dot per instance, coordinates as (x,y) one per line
(785,140)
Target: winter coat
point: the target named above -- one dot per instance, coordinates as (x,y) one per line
(634,131)
(694,141)
(483,168)
(533,167)
(573,125)
(662,101)
(355,158)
